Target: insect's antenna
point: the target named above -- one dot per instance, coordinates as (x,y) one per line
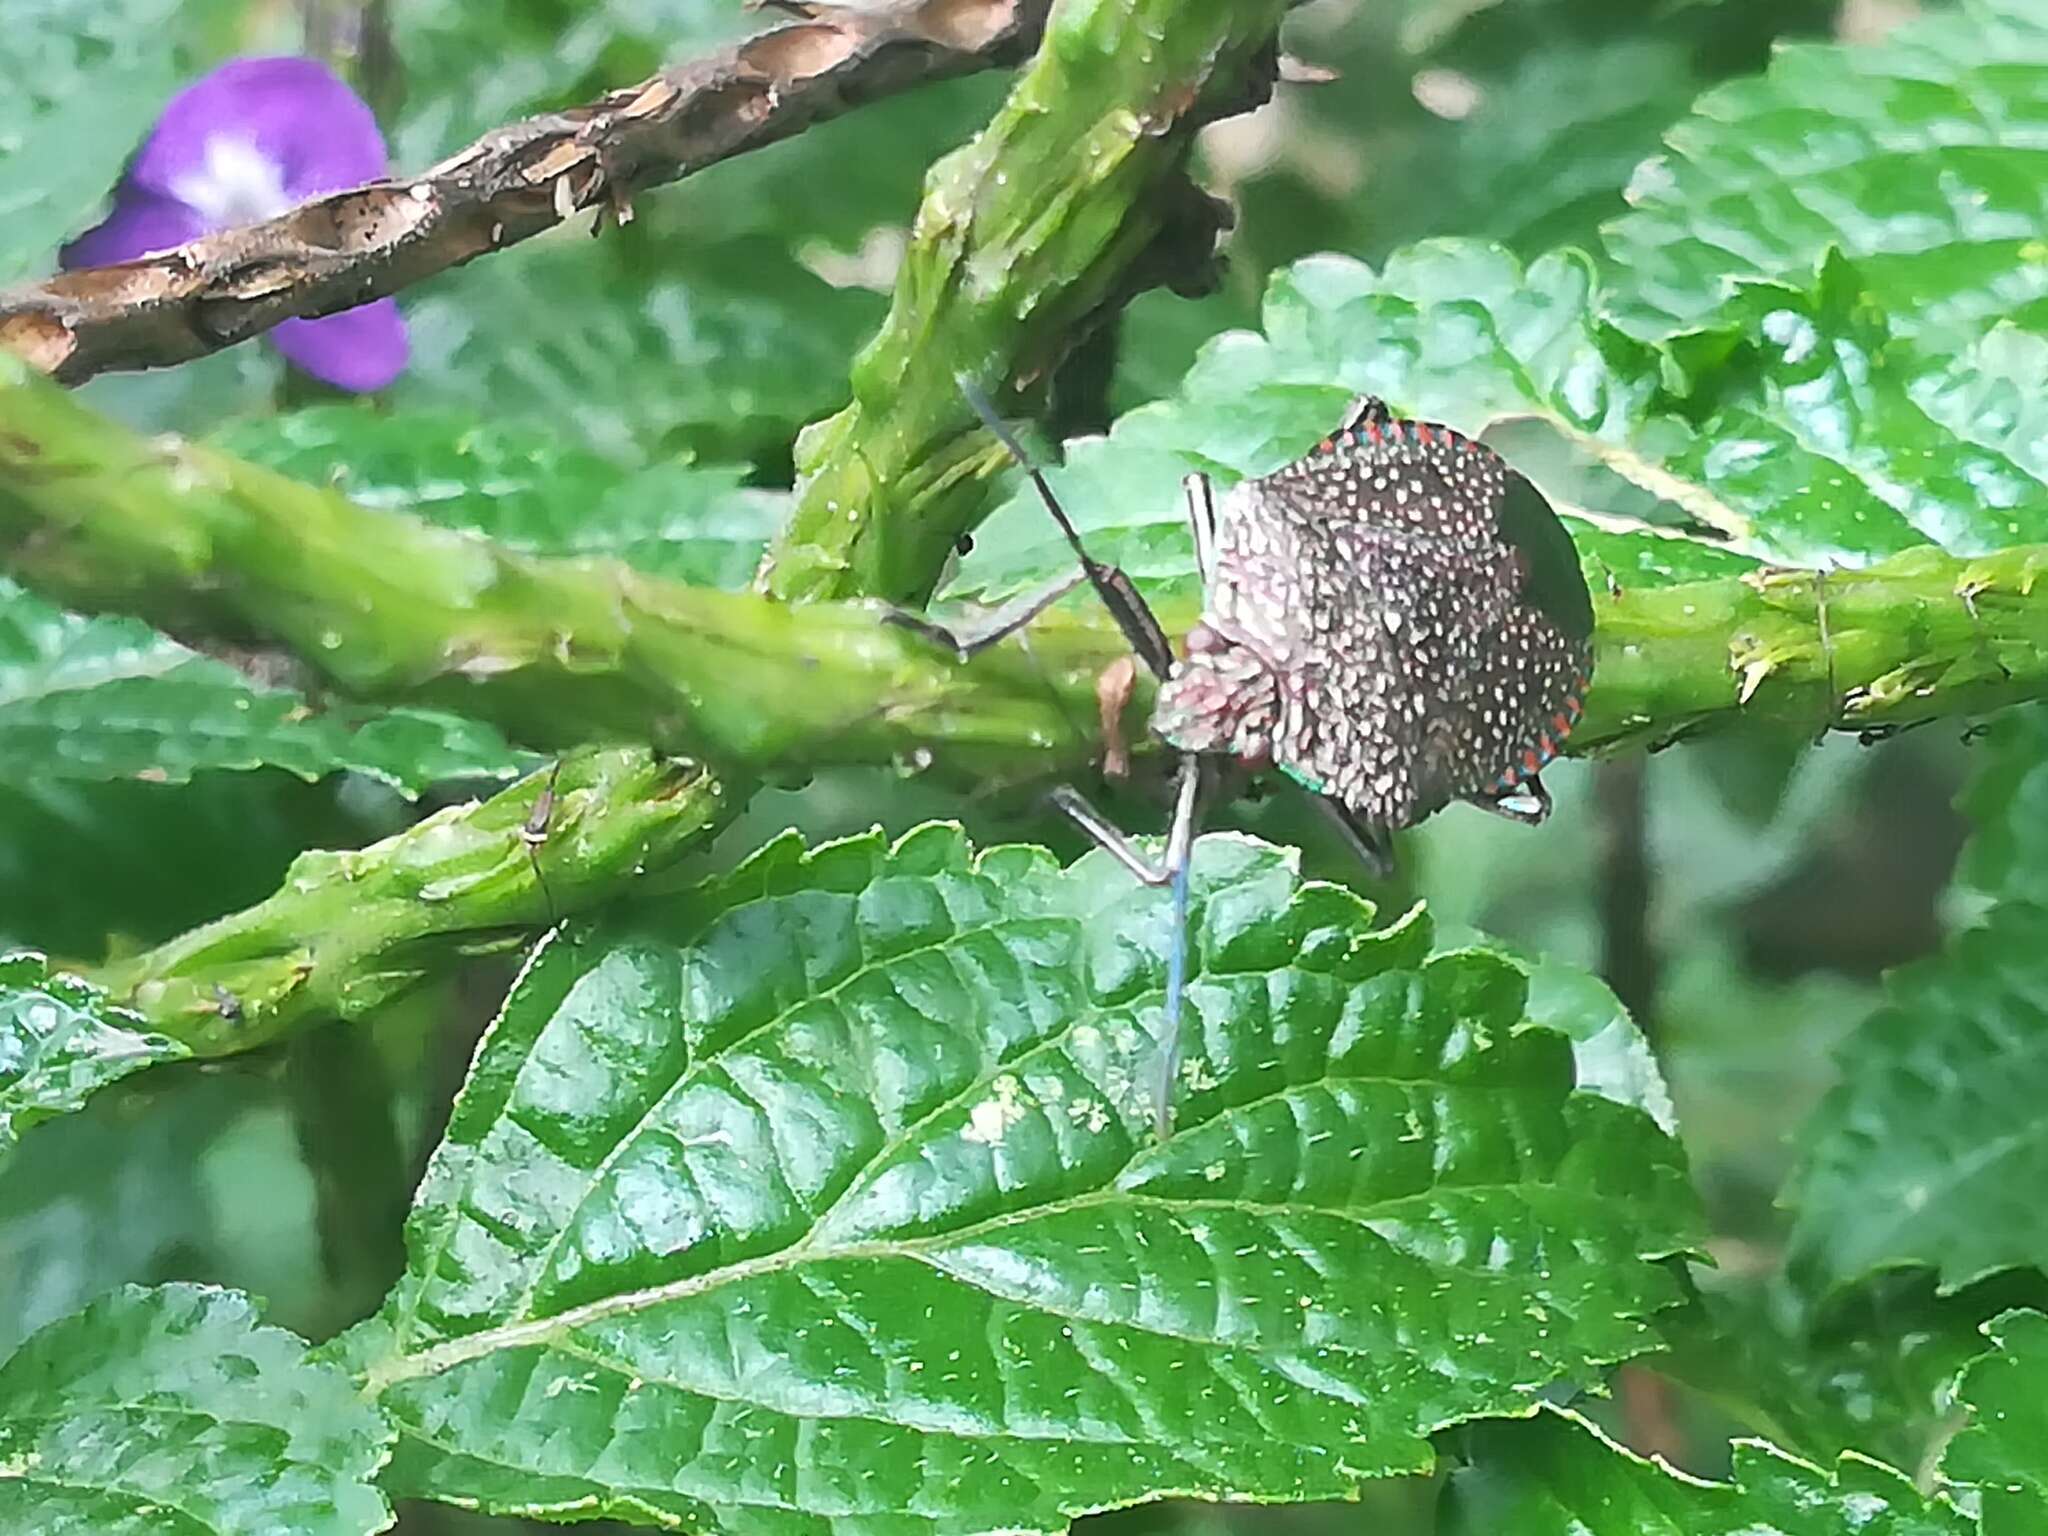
(987,412)
(1141,628)
(534,831)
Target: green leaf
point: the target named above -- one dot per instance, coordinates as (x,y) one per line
(1799,419)
(1519,123)
(1555,136)
(1810,435)
(1559,1476)
(1613,1058)
(1515,122)
(1822,430)
(2001,1452)
(1872,1371)
(116,1193)
(699,524)
(60,1042)
(1887,1353)
(2007,803)
(648,345)
(828,1192)
(172,1410)
(1452,331)
(1994,394)
(80,83)
(111,698)
(1916,158)
(1623,558)
(1609,1054)
(1934,1144)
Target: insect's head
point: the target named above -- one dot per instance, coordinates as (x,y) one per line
(1220,699)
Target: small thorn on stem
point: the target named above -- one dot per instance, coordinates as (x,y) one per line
(1295,70)
(620,200)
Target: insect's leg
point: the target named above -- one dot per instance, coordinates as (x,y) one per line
(534,832)
(1173,871)
(1106,836)
(976,635)
(1133,615)
(1363,411)
(1201,503)
(1372,845)
(1527,803)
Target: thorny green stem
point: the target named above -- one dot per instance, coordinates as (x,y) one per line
(559,652)
(349,931)
(565,652)
(1026,236)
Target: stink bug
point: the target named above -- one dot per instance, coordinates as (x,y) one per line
(1395,620)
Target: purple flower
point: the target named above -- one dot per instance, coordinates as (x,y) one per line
(247,142)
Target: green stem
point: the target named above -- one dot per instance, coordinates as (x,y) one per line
(1919,637)
(1025,236)
(565,652)
(348,931)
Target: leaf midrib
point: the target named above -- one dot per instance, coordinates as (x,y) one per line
(696,1069)
(135,1497)
(543,1331)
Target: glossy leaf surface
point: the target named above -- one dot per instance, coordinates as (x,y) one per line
(2001,1451)
(1802,430)
(825,1199)
(1916,158)
(1933,1147)
(1449,330)
(1558,1476)
(61,1041)
(172,1410)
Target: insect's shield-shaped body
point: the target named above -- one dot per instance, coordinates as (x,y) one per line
(1395,620)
